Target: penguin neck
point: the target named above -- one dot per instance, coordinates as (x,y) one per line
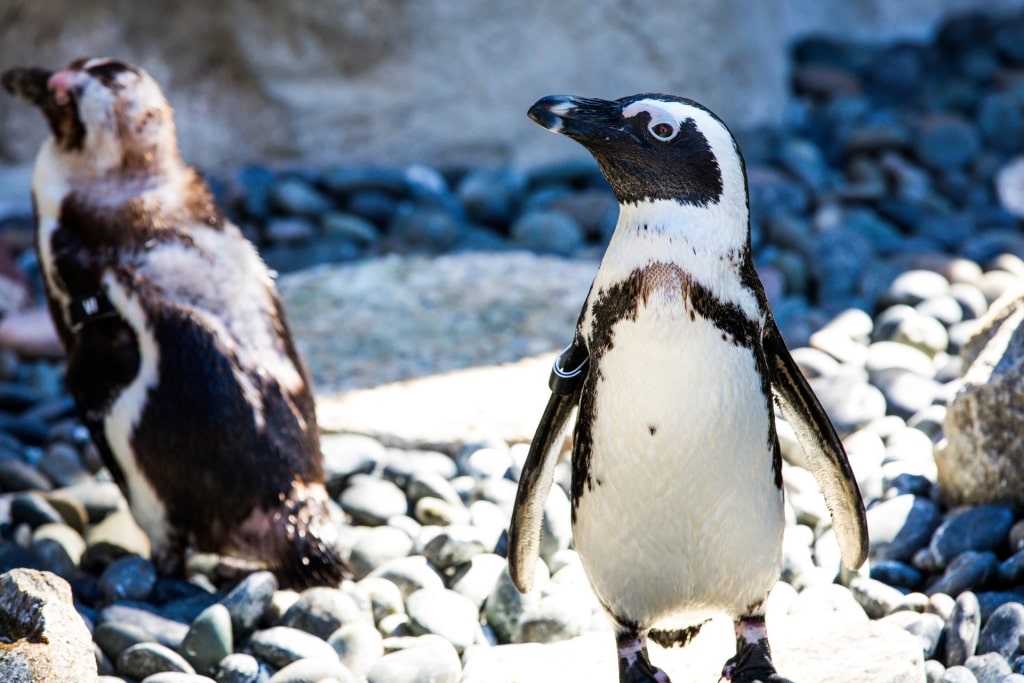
(709,242)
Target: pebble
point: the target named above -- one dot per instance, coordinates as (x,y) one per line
(980,528)
(144,659)
(430,659)
(372,501)
(239,667)
(359,645)
(248,601)
(962,629)
(445,613)
(313,670)
(321,611)
(377,547)
(128,578)
(209,639)
(1003,630)
(279,646)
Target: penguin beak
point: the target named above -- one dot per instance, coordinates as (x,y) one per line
(28,85)
(52,92)
(588,121)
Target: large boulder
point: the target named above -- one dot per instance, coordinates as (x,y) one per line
(47,641)
(398,82)
(982,460)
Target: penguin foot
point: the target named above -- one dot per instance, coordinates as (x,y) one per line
(634,664)
(752,662)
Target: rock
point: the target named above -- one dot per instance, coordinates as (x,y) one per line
(456,545)
(248,601)
(145,659)
(359,646)
(116,536)
(313,671)
(989,667)
(322,611)
(506,605)
(962,629)
(1002,631)
(128,578)
(159,628)
(46,639)
(979,463)
(1010,186)
(547,232)
(410,574)
(477,579)
(969,570)
(176,677)
(293,195)
(982,528)
(377,547)
(446,613)
(209,639)
(430,659)
(279,646)
(373,501)
(239,668)
(900,526)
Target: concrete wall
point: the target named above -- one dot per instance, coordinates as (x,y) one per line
(432,81)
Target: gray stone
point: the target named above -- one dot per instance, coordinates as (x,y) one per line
(981,462)
(982,528)
(46,639)
(378,546)
(926,627)
(958,674)
(372,501)
(359,646)
(410,574)
(157,626)
(145,659)
(962,629)
(969,570)
(116,536)
(239,667)
(116,637)
(209,639)
(384,595)
(558,616)
(989,668)
(279,646)
(456,545)
(946,141)
(900,526)
(128,578)
(429,659)
(1003,630)
(550,232)
(248,601)
(445,613)
(431,485)
(477,579)
(294,195)
(875,597)
(430,511)
(506,605)
(313,670)
(322,611)
(176,677)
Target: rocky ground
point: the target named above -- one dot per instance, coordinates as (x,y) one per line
(886,221)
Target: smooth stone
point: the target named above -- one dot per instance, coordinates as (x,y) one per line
(875,597)
(239,667)
(431,485)
(505,605)
(849,401)
(445,613)
(384,596)
(430,511)
(410,574)
(430,659)
(17,475)
(895,355)
(1011,570)
(313,670)
(160,628)
(934,671)
(116,536)
(209,639)
(145,659)
(958,674)
(970,570)
(401,465)
(477,579)
(279,646)
(556,524)
(248,601)
(114,638)
(905,391)
(456,545)
(945,141)
(980,528)
(321,611)
(423,228)
(962,629)
(128,578)
(1003,630)
(897,574)
(914,286)
(378,546)
(62,465)
(481,463)
(989,668)
(491,196)
(372,501)
(69,540)
(33,509)
(900,526)
(99,498)
(349,226)
(296,196)
(176,677)
(926,627)
(359,646)
(557,616)
(547,232)
(346,455)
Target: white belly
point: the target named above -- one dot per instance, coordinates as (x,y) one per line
(684,518)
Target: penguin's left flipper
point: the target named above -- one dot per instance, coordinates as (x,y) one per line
(822,447)
(525,528)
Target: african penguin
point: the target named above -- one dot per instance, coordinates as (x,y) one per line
(677,502)
(178,354)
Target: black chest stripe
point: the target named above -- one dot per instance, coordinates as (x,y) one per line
(622,301)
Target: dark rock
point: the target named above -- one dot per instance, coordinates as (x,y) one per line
(322,611)
(970,570)
(900,526)
(146,659)
(147,618)
(980,528)
(17,475)
(491,196)
(209,639)
(898,574)
(293,195)
(128,578)
(551,232)
(248,601)
(34,510)
(1002,631)
(426,228)
(962,629)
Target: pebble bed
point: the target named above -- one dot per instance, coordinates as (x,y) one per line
(883,226)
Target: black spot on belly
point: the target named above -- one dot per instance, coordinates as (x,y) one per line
(652,429)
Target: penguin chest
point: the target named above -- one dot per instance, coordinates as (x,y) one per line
(679,510)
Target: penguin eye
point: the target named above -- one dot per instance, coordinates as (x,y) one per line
(662,129)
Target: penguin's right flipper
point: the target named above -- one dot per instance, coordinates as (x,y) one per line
(525,529)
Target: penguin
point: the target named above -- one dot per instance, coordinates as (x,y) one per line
(178,354)
(673,371)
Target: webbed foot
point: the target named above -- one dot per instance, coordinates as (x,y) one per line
(634,664)
(752,662)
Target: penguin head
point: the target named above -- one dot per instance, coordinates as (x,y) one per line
(107,113)
(652,147)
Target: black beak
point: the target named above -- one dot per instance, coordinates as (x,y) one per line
(585,120)
(28,85)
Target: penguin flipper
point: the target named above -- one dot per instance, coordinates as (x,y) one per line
(822,447)
(525,528)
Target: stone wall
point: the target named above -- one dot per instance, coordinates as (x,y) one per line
(432,81)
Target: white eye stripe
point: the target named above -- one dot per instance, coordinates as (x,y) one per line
(660,118)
